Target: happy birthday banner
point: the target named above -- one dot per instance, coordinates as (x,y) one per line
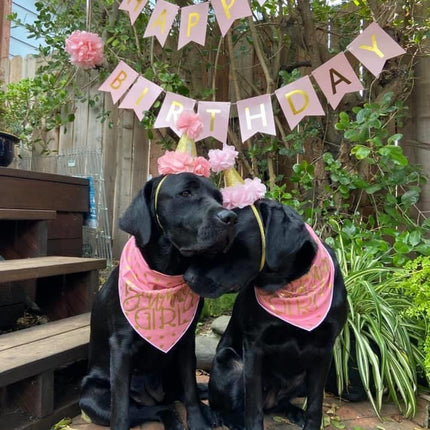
(373,47)
(194,18)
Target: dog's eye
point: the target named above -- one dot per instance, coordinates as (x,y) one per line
(186,193)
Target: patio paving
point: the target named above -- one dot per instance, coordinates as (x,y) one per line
(337,415)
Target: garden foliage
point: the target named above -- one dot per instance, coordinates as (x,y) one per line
(346,173)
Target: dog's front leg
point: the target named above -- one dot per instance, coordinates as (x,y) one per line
(315,381)
(252,362)
(120,382)
(187,369)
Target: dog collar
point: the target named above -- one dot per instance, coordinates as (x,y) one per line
(262,235)
(306,301)
(159,307)
(157,192)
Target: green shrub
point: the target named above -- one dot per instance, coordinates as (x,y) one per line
(385,336)
(414,283)
(216,307)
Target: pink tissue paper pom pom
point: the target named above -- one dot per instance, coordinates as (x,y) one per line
(201,167)
(222,159)
(190,124)
(242,195)
(85,49)
(175,162)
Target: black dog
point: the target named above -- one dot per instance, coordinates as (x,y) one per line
(262,362)
(129,380)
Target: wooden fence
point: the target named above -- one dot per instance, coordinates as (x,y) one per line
(129,158)
(124,147)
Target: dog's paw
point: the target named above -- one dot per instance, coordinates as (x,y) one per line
(171,420)
(295,414)
(199,417)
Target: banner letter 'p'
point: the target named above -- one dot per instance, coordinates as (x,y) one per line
(193,20)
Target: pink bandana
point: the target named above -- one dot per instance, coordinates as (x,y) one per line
(306,301)
(159,307)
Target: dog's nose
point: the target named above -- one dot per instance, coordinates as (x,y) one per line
(226,216)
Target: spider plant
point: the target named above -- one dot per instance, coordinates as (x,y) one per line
(385,338)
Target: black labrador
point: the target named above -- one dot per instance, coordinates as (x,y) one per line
(130,381)
(262,361)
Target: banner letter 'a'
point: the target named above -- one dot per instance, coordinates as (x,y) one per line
(336,78)
(161,21)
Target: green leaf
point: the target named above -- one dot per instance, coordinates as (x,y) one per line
(352,135)
(360,151)
(414,237)
(394,153)
(373,188)
(402,247)
(394,138)
(410,197)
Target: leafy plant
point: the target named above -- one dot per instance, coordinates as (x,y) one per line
(219,306)
(414,283)
(378,329)
(31,108)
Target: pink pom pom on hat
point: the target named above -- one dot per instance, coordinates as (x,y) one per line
(184,158)
(237,192)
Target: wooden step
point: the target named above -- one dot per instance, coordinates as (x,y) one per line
(40,267)
(33,351)
(27,214)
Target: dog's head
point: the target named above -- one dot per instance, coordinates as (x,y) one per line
(289,253)
(181,211)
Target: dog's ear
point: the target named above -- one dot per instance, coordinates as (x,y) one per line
(289,247)
(137,219)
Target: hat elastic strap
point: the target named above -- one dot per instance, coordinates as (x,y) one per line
(262,235)
(157,192)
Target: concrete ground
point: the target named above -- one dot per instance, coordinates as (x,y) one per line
(337,415)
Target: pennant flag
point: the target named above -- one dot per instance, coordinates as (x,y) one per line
(373,48)
(119,81)
(336,78)
(172,107)
(298,100)
(214,116)
(133,7)
(193,24)
(161,21)
(141,96)
(226,11)
(256,114)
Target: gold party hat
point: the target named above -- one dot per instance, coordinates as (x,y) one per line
(232,177)
(187,144)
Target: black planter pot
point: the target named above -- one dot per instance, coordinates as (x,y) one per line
(7,142)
